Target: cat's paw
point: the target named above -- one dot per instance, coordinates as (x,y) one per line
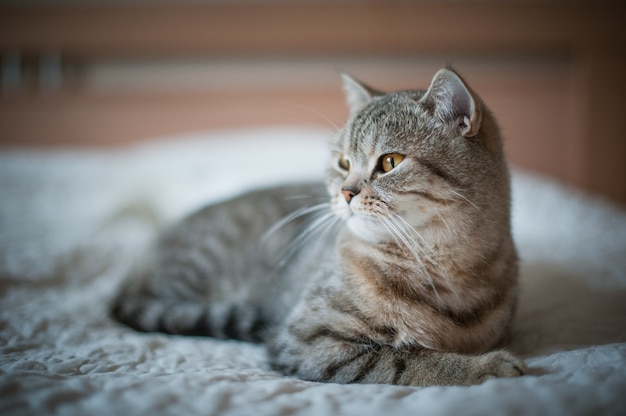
(498,364)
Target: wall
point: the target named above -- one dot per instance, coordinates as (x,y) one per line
(103,74)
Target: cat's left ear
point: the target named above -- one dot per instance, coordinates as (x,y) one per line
(357,93)
(454,102)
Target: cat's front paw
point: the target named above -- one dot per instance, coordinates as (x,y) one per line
(498,364)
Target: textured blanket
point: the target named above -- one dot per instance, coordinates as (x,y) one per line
(73,221)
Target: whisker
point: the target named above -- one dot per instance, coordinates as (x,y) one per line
(322,116)
(404,239)
(465,199)
(299,196)
(409,230)
(401,237)
(404,225)
(445,223)
(429,255)
(318,226)
(300,212)
(309,230)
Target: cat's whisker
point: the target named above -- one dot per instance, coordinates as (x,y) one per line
(404,240)
(320,225)
(409,230)
(465,199)
(293,216)
(319,114)
(407,241)
(399,229)
(300,196)
(445,223)
(425,246)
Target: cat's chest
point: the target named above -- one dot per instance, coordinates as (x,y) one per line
(393,292)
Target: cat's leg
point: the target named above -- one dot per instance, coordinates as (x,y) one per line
(340,362)
(177,300)
(327,353)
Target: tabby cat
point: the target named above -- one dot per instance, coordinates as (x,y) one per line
(399,269)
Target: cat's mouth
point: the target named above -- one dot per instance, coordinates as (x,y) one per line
(341,209)
(367,228)
(361,221)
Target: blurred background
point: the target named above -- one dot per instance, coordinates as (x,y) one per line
(101,73)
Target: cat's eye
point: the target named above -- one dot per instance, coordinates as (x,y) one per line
(390,161)
(344,163)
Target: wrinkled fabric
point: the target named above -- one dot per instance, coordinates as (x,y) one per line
(73,221)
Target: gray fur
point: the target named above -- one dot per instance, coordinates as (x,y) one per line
(403,276)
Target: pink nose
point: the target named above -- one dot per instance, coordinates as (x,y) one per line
(349,193)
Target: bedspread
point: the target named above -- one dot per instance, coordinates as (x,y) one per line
(73,221)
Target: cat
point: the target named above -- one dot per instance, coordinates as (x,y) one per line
(399,269)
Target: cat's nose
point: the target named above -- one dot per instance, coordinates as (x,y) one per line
(349,192)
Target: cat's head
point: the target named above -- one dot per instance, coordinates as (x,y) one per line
(424,159)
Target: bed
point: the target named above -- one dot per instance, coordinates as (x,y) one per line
(72,221)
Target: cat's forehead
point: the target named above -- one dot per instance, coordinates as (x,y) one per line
(387,123)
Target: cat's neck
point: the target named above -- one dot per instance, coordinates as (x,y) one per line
(427,256)
(354,250)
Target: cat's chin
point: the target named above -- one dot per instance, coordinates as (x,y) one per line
(367,229)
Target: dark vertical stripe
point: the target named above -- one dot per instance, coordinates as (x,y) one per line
(258,327)
(201,326)
(161,325)
(400,369)
(230,328)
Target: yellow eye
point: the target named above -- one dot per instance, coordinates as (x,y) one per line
(390,161)
(344,163)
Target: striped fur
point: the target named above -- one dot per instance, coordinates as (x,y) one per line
(400,272)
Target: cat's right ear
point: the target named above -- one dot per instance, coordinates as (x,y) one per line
(454,102)
(357,93)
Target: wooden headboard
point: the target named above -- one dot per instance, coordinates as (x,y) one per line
(106,74)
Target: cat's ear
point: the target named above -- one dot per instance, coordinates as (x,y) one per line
(357,93)
(454,102)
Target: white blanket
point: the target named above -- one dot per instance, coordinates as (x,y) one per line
(72,221)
